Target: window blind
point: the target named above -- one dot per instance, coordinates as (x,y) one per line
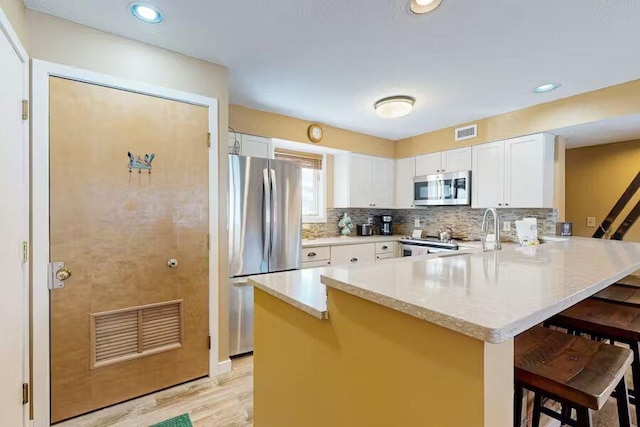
(307,160)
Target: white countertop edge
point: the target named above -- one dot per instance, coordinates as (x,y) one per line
(314,311)
(348,240)
(491,335)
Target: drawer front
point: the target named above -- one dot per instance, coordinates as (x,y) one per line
(385,247)
(314,264)
(384,256)
(352,254)
(316,254)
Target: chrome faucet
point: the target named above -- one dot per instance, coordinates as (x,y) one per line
(495,245)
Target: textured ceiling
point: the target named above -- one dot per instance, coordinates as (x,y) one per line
(625,128)
(329,60)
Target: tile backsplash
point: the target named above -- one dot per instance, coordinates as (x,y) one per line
(464,220)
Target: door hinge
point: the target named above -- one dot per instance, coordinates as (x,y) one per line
(25,393)
(209,139)
(209,342)
(25,252)
(25,109)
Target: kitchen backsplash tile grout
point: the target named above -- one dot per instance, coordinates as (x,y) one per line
(464,220)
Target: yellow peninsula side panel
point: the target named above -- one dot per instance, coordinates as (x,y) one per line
(369,366)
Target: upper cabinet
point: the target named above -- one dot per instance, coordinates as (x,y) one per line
(516,173)
(251,146)
(405,172)
(445,161)
(363,181)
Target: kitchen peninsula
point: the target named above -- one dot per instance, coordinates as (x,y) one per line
(423,341)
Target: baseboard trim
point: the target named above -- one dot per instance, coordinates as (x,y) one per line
(224,367)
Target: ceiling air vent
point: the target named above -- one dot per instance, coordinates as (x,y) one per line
(466,132)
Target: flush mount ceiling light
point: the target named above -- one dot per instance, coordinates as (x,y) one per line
(424,6)
(394,106)
(547,87)
(146,12)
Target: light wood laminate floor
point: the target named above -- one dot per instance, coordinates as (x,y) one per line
(225,401)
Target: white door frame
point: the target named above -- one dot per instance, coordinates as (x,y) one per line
(41,72)
(14,41)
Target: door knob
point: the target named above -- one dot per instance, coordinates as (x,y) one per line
(63,274)
(173,263)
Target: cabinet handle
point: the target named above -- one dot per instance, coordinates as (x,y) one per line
(312,254)
(354,259)
(506,204)
(385,247)
(499,204)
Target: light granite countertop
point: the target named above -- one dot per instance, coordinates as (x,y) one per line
(347,240)
(492,296)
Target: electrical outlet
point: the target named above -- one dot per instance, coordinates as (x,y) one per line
(506,226)
(591,221)
(416,222)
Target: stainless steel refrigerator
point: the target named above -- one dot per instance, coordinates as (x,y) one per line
(265,221)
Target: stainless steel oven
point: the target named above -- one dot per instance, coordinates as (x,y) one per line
(443,189)
(416,247)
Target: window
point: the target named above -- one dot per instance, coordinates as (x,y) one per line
(313,183)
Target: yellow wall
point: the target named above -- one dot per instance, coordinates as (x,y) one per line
(64,42)
(15,11)
(369,365)
(596,177)
(262,123)
(601,104)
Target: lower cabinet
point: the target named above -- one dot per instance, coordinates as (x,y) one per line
(314,264)
(352,254)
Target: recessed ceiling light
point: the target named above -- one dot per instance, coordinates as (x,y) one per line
(394,106)
(146,12)
(547,87)
(424,6)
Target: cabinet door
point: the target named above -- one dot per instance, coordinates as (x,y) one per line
(359,181)
(527,167)
(353,254)
(382,182)
(487,175)
(456,160)
(428,164)
(405,172)
(256,146)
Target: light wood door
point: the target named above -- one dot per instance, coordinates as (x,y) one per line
(428,164)
(456,160)
(126,324)
(487,175)
(405,172)
(361,195)
(13,231)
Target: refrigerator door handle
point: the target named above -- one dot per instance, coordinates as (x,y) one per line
(275,208)
(266,225)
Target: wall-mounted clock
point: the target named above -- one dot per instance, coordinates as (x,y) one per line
(315,132)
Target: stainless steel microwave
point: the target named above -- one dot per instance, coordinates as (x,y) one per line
(443,189)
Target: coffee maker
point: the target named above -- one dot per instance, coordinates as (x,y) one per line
(385,225)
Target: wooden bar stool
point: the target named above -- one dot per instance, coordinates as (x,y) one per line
(578,373)
(608,320)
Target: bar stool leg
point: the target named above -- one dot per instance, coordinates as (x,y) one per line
(517,406)
(566,414)
(635,373)
(584,417)
(537,404)
(622,398)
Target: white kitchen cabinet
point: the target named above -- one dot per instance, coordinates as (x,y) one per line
(487,175)
(428,164)
(250,145)
(405,172)
(353,254)
(455,160)
(315,264)
(529,171)
(516,173)
(362,181)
